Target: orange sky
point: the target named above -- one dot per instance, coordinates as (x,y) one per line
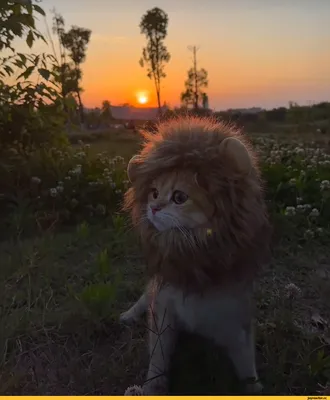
(257,52)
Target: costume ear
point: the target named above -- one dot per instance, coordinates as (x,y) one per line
(234,150)
(132,168)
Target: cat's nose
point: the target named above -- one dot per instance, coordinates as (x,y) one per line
(155,209)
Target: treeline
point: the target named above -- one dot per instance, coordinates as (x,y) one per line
(290,119)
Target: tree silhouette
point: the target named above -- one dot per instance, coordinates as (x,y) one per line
(205,100)
(61,69)
(74,42)
(106,114)
(155,55)
(193,94)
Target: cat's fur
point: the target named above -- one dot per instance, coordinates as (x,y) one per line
(201,255)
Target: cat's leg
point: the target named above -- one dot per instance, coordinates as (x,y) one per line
(241,350)
(162,339)
(136,311)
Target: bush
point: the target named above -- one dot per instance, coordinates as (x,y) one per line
(56,185)
(297,186)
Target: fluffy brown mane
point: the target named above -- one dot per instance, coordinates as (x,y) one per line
(240,233)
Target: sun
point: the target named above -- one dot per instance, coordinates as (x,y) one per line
(142,98)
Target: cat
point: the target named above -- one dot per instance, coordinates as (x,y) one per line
(196,200)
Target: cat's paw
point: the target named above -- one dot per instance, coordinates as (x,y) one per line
(127,318)
(134,391)
(253,387)
(156,386)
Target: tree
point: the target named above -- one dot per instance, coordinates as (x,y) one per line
(205,100)
(106,114)
(30,109)
(155,55)
(196,81)
(74,42)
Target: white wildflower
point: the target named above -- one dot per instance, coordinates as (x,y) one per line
(290,211)
(74,202)
(314,213)
(77,169)
(292,291)
(36,180)
(100,209)
(80,154)
(309,234)
(53,192)
(325,185)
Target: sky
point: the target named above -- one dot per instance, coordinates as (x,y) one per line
(261,53)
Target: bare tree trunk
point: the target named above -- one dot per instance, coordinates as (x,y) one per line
(157,84)
(158,99)
(195,76)
(81,108)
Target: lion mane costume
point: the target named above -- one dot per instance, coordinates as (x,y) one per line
(236,240)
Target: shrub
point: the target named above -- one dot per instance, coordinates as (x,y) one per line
(60,184)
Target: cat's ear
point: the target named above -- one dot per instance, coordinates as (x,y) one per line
(132,168)
(237,154)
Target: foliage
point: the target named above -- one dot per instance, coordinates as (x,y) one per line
(193,94)
(155,55)
(293,119)
(18,20)
(106,114)
(31,110)
(73,285)
(72,44)
(298,189)
(60,185)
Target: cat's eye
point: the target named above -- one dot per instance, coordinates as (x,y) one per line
(179,197)
(154,193)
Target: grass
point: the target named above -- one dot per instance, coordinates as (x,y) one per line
(115,142)
(62,294)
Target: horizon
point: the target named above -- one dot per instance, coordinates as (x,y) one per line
(275,53)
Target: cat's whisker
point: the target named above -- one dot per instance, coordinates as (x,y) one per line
(185,232)
(189,238)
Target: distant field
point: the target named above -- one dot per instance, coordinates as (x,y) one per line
(121,142)
(126,142)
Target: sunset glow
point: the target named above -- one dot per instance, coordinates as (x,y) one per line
(271,56)
(142,98)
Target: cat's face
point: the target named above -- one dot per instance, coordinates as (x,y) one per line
(176,201)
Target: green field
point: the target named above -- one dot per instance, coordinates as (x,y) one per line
(64,287)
